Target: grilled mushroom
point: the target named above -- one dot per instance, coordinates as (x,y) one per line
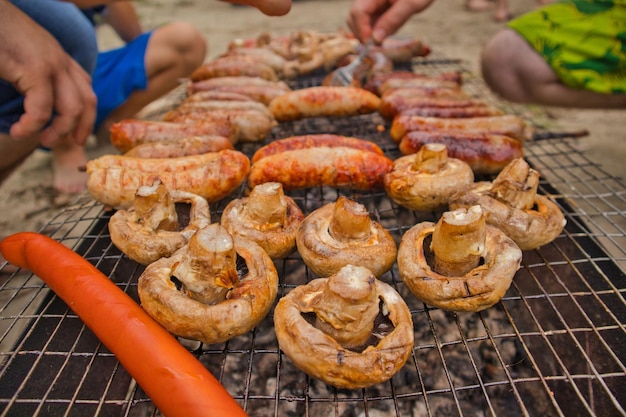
(267,216)
(197,293)
(343,233)
(512,204)
(426,180)
(349,330)
(150,229)
(467,266)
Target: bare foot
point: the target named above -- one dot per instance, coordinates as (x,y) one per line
(502,16)
(479,5)
(68,168)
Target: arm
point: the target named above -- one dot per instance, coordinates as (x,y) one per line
(122,17)
(268,7)
(38,67)
(378,19)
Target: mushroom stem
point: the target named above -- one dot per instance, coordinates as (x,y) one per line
(458,241)
(516,185)
(208,269)
(348,306)
(431,158)
(267,206)
(154,207)
(350,221)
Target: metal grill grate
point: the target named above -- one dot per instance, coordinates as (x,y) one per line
(554,345)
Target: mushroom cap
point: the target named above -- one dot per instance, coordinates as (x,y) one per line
(479,289)
(277,242)
(417,190)
(530,228)
(244,308)
(146,246)
(325,255)
(322,357)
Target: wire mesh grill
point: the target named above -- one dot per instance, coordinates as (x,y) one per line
(553,346)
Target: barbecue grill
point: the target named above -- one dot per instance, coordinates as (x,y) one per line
(555,345)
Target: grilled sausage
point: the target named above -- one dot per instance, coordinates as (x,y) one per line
(236,65)
(403,50)
(324,101)
(509,125)
(193,145)
(399,100)
(486,154)
(114,179)
(417,82)
(261,93)
(377,79)
(214,95)
(209,83)
(340,167)
(311,141)
(453,112)
(251,125)
(264,55)
(210,105)
(128,133)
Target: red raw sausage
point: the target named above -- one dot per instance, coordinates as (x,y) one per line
(177,383)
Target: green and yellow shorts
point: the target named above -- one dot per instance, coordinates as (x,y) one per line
(584,41)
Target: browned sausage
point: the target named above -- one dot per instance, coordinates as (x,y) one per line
(114,179)
(324,101)
(193,145)
(251,125)
(377,79)
(210,105)
(403,50)
(261,93)
(417,82)
(340,167)
(453,112)
(398,100)
(264,55)
(209,83)
(213,95)
(129,133)
(311,141)
(487,154)
(509,125)
(234,66)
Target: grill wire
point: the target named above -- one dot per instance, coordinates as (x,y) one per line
(554,346)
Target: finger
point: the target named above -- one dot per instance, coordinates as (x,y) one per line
(396,16)
(67,104)
(87,117)
(38,104)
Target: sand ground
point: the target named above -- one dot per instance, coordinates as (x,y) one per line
(27,200)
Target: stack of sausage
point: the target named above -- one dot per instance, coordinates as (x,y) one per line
(435,109)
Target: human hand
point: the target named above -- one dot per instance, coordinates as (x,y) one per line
(50,80)
(379,19)
(268,7)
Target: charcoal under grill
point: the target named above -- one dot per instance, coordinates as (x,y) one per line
(554,346)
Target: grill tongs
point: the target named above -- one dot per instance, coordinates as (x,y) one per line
(344,76)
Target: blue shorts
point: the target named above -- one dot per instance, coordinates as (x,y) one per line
(118,73)
(73,31)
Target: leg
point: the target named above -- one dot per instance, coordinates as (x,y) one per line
(478,5)
(14,152)
(502,11)
(173,52)
(513,70)
(68,163)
